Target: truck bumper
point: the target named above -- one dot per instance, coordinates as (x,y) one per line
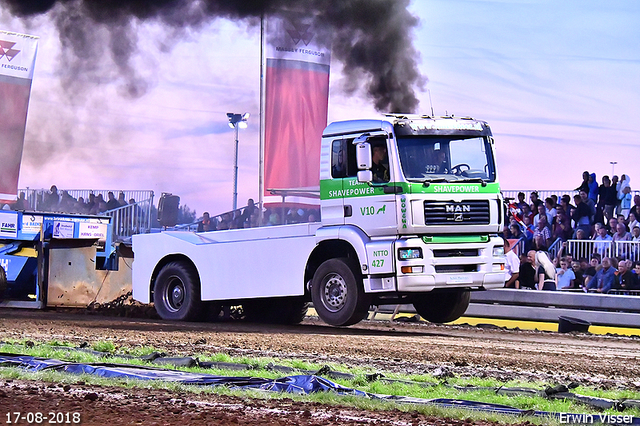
(453,265)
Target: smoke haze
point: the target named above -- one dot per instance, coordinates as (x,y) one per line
(371,38)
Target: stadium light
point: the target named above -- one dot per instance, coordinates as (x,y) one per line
(236,121)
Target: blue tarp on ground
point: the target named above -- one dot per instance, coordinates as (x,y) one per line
(300,384)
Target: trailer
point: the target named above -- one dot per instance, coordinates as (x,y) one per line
(411,212)
(57,259)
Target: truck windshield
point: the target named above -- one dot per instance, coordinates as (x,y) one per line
(446,158)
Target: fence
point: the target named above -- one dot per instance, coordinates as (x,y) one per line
(629,250)
(131,219)
(544,193)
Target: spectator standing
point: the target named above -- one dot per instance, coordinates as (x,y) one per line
(635,209)
(607,197)
(550,207)
(546,272)
(582,214)
(527,271)
(625,201)
(511,266)
(535,201)
(593,188)
(584,186)
(521,202)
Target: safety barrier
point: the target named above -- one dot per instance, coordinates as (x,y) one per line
(532,305)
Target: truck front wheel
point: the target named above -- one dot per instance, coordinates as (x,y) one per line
(337,293)
(442,307)
(176,294)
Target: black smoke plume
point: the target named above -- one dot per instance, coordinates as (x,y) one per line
(372,38)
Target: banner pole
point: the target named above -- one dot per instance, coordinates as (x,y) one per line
(262,123)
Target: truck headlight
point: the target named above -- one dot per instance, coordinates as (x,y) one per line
(498,251)
(409,253)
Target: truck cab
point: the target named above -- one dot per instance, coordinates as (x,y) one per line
(419,200)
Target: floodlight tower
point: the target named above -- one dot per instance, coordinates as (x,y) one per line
(236,121)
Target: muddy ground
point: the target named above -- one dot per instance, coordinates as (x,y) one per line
(381,346)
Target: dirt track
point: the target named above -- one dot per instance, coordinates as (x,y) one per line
(602,361)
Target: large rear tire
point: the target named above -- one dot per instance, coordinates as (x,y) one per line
(337,293)
(442,307)
(176,294)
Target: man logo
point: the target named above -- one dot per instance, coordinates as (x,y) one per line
(457,208)
(6,50)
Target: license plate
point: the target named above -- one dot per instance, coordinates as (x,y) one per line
(459,279)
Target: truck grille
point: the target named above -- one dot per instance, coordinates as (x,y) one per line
(455,252)
(470,212)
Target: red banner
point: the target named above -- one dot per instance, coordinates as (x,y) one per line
(17,58)
(297,94)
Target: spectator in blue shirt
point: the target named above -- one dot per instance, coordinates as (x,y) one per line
(604,278)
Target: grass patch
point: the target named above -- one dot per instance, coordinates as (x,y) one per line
(416,386)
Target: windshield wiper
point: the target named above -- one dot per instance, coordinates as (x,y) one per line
(480,180)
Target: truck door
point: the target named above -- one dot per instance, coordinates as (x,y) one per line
(372,204)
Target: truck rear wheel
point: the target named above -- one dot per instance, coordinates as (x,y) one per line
(442,307)
(337,293)
(176,294)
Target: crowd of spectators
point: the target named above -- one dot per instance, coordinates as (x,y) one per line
(249,217)
(604,214)
(63,202)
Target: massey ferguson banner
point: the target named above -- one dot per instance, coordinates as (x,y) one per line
(296,101)
(17,58)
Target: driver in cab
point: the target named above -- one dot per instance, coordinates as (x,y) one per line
(442,166)
(380,166)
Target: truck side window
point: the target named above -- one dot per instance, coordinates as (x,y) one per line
(380,167)
(339,159)
(343,159)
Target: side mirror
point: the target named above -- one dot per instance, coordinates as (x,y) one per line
(363,156)
(365,176)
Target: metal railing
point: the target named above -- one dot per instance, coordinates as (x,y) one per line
(35,197)
(629,250)
(544,193)
(131,219)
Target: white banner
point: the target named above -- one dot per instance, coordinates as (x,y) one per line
(295,37)
(17,59)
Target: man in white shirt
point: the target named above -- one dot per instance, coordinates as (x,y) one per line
(512,266)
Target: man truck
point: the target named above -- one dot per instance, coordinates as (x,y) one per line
(411,212)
